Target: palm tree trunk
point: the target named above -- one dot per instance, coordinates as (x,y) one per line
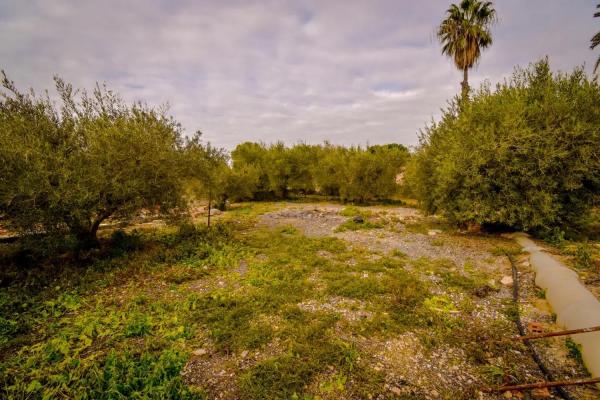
(465,83)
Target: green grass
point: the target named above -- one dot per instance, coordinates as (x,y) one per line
(351,225)
(123,322)
(574,350)
(353,211)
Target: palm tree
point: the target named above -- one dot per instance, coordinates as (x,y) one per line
(596,42)
(464,33)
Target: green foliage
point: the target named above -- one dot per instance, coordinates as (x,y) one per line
(574,350)
(123,242)
(524,156)
(68,167)
(207,173)
(584,255)
(352,225)
(312,351)
(441,304)
(77,338)
(353,211)
(354,174)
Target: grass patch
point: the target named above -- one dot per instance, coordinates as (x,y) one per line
(352,225)
(574,350)
(313,349)
(353,211)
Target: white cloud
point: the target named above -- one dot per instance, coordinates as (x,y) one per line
(346,71)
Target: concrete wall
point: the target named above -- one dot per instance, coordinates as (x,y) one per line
(575,307)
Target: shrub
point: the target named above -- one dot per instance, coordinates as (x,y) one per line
(525,155)
(68,167)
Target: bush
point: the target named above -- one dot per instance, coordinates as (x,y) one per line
(525,155)
(68,167)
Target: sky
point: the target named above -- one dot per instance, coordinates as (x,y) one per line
(350,72)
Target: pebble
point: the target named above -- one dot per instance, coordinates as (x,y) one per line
(199,352)
(506,280)
(396,390)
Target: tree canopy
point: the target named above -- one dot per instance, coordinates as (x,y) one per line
(69,165)
(525,155)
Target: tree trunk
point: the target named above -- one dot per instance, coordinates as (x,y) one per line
(94,228)
(465,84)
(87,235)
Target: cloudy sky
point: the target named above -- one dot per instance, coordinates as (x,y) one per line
(351,72)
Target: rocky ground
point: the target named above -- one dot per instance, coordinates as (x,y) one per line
(470,290)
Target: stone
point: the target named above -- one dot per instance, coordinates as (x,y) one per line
(358,219)
(506,280)
(396,390)
(244,353)
(433,232)
(199,352)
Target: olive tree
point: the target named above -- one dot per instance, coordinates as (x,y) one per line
(68,165)
(525,155)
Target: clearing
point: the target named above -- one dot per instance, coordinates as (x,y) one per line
(283,300)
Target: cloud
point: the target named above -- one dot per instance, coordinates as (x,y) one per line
(350,72)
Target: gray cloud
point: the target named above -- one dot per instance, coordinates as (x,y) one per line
(350,72)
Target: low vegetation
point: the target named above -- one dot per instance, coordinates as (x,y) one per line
(149,305)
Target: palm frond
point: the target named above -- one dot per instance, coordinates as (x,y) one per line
(466,31)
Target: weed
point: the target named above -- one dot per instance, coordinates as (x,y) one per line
(353,211)
(139,325)
(584,255)
(183,273)
(505,250)
(574,350)
(346,285)
(442,304)
(312,351)
(398,253)
(555,237)
(494,373)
